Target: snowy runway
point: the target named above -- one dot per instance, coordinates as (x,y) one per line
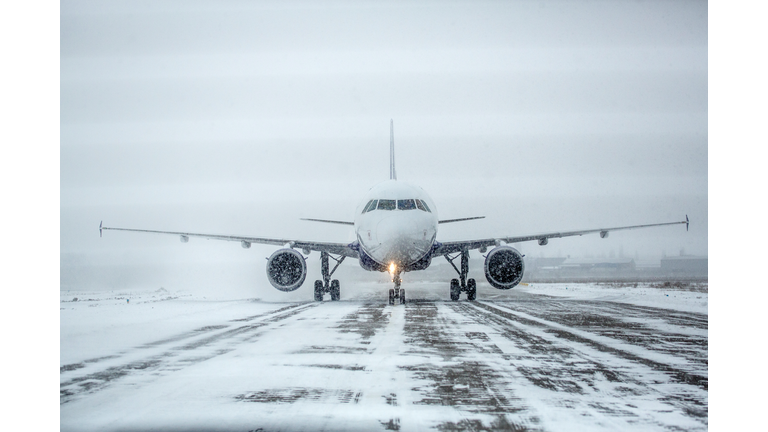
(522,361)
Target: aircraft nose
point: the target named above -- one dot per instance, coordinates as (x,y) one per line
(400,241)
(394,229)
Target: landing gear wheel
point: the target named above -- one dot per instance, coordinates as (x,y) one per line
(335,290)
(402,296)
(471,289)
(391,296)
(455,289)
(318,290)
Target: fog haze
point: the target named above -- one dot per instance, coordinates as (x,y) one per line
(241,118)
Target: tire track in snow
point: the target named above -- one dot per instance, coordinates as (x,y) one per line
(343,368)
(590,377)
(603,343)
(677,334)
(463,374)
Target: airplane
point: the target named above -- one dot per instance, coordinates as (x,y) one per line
(396,229)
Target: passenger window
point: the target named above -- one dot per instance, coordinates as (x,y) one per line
(386,205)
(406,204)
(425,205)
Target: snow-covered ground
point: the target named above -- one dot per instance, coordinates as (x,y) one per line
(642,294)
(539,357)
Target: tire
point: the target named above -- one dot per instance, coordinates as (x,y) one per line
(391,296)
(319,290)
(335,290)
(471,290)
(402,296)
(455,289)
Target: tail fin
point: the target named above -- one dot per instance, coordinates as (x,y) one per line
(392,174)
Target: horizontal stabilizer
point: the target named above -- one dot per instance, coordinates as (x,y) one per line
(460,220)
(330,221)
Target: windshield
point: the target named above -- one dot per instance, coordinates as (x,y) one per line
(402,204)
(423,206)
(370,206)
(386,205)
(406,204)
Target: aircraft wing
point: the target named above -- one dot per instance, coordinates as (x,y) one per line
(334,248)
(329,221)
(457,246)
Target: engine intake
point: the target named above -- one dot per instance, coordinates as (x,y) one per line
(504,267)
(286,269)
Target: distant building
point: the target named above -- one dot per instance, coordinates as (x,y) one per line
(612,269)
(685,264)
(537,263)
(599,264)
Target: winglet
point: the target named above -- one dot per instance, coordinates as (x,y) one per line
(392,174)
(100,222)
(686,222)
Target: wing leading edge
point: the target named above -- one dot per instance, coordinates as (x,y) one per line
(329,221)
(349,250)
(458,246)
(334,248)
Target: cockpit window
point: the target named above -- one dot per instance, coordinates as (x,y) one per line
(403,204)
(422,205)
(370,206)
(386,204)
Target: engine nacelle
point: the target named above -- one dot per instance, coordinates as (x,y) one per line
(286,269)
(504,267)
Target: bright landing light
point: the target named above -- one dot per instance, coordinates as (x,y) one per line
(392,267)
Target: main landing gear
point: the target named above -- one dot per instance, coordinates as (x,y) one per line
(327,285)
(462,284)
(397,292)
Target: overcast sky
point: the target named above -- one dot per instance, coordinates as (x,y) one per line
(242,117)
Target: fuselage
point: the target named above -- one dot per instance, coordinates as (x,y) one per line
(396,223)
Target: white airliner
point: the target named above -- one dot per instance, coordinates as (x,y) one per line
(396,228)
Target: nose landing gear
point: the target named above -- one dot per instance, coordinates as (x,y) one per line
(396,292)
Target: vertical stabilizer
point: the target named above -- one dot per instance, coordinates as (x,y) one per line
(392,174)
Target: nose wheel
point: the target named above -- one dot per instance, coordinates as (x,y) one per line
(397,294)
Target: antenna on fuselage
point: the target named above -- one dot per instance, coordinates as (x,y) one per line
(392,174)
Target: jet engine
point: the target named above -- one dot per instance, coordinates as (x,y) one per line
(286,269)
(504,267)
